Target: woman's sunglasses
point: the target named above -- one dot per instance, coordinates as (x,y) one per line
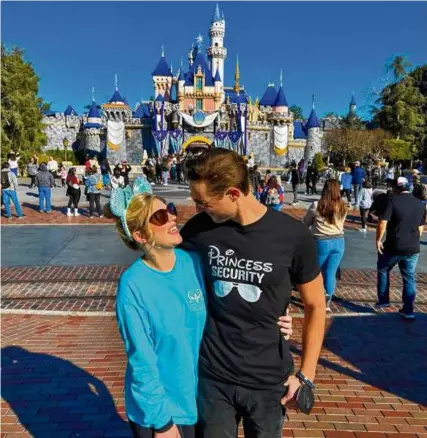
(160,217)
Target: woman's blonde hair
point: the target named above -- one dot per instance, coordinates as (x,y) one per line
(138,215)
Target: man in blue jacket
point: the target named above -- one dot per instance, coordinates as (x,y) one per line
(359,175)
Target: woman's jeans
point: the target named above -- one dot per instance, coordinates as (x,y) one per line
(33,181)
(407,264)
(165,175)
(95,198)
(74,197)
(44,199)
(329,255)
(10,195)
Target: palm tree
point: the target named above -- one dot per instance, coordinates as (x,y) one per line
(399,66)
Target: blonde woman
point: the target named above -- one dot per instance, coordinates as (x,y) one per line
(161,315)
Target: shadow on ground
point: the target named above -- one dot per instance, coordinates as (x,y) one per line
(54,398)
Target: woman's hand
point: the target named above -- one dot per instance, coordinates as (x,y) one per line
(285,324)
(173,432)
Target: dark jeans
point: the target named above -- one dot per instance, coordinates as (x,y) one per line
(407,265)
(363,216)
(356,188)
(221,406)
(313,186)
(308,187)
(145,432)
(74,198)
(347,193)
(94,198)
(374,182)
(33,181)
(295,192)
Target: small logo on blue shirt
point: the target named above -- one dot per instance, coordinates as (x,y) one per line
(195,300)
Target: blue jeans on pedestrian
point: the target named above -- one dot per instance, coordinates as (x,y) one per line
(329,255)
(356,188)
(10,195)
(44,199)
(407,265)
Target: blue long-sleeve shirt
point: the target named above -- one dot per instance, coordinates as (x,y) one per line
(346,180)
(359,174)
(161,317)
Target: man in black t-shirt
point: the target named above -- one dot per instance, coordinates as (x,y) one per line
(252,255)
(404,219)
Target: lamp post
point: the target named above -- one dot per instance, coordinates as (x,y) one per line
(65,143)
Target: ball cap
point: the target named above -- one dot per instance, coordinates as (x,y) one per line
(402,182)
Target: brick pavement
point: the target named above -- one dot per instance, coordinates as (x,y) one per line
(63,377)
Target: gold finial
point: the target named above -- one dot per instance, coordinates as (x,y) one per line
(237,76)
(257,101)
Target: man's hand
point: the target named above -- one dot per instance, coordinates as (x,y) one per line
(285,324)
(380,247)
(173,432)
(293,384)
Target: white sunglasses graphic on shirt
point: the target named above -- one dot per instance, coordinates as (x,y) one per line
(248,292)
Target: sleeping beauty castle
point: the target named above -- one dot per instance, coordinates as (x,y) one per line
(191,108)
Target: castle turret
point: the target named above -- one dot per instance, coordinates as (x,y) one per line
(181,83)
(219,90)
(162,77)
(217,53)
(92,128)
(117,107)
(352,109)
(312,127)
(280,103)
(269,96)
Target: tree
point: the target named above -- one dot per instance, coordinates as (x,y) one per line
(297,112)
(399,149)
(399,66)
(21,107)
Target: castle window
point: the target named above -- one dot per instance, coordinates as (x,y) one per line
(216,44)
(199,104)
(199,84)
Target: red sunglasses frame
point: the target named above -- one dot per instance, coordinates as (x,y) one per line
(161,217)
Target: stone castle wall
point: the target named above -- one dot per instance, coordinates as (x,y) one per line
(59,127)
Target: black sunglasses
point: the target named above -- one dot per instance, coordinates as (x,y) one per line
(160,217)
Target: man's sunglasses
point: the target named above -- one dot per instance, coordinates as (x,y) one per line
(160,217)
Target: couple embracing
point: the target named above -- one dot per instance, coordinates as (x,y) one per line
(202,312)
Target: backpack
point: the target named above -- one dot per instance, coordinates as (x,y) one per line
(273,197)
(5,183)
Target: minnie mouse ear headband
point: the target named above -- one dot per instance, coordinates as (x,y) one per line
(121,198)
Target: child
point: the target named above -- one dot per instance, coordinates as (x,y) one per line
(365,203)
(73,192)
(62,174)
(117,180)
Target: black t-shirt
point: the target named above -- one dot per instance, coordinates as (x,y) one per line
(249,271)
(404,214)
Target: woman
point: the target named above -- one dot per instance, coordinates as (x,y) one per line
(73,192)
(161,315)
(13,162)
(32,170)
(93,184)
(52,167)
(326,219)
(272,195)
(365,203)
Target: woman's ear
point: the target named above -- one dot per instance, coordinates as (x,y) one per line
(139,238)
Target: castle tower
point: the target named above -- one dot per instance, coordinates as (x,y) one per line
(312,127)
(237,76)
(281,104)
(181,83)
(162,77)
(92,128)
(117,107)
(352,109)
(219,90)
(217,53)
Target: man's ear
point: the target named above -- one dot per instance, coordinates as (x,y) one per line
(233,193)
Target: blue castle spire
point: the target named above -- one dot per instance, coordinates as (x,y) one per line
(217,14)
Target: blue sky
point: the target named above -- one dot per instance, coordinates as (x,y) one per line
(326,48)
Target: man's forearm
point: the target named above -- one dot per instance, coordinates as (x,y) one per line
(421,230)
(381,227)
(312,338)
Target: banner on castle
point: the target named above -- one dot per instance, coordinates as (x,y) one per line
(208,120)
(221,139)
(115,134)
(161,142)
(280,138)
(175,138)
(234,138)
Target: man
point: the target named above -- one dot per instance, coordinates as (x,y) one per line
(294,181)
(9,187)
(404,219)
(359,176)
(376,175)
(255,179)
(45,182)
(309,178)
(251,255)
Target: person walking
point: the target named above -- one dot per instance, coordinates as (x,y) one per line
(62,173)
(73,192)
(376,176)
(255,179)
(326,219)
(273,195)
(365,203)
(94,186)
(309,178)
(52,167)
(32,170)
(359,175)
(9,187)
(346,180)
(166,165)
(294,180)
(45,182)
(314,179)
(404,220)
(250,254)
(105,172)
